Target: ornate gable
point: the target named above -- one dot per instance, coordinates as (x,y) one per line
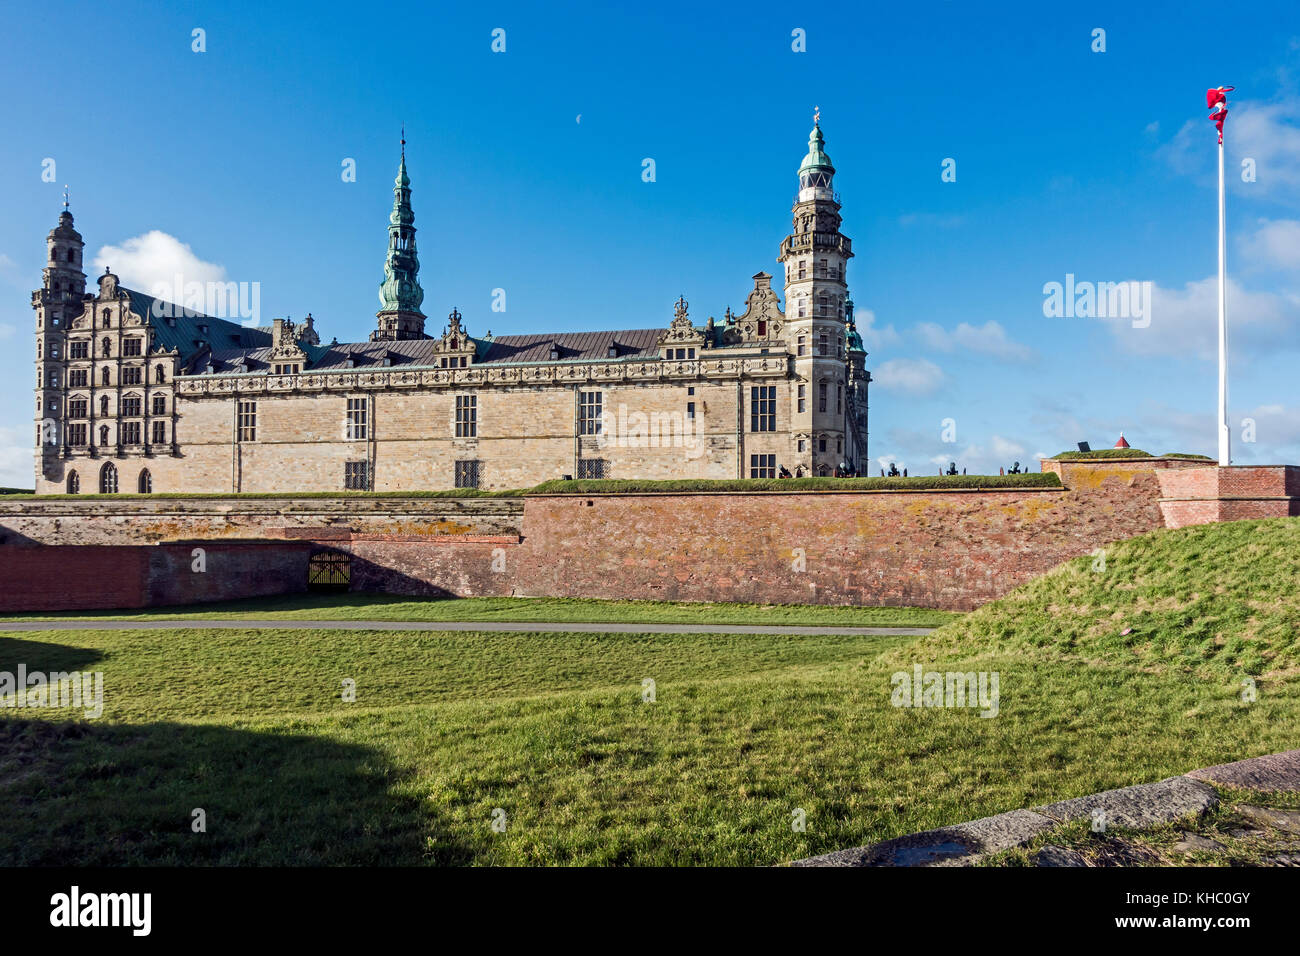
(681,333)
(762,321)
(455,349)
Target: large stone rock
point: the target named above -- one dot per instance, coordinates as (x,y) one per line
(1280,772)
(1144,805)
(947,846)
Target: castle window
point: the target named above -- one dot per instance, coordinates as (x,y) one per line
(690,409)
(821,444)
(802,273)
(839,446)
(821,307)
(821,397)
(803,346)
(467,418)
(130,346)
(103,436)
(130,407)
(591,468)
(54,378)
(79,350)
(467,474)
(613,351)
(54,350)
(103,406)
(108,478)
(803,398)
(803,308)
(132,375)
(160,404)
(145,483)
(762,466)
(106,347)
(103,377)
(839,399)
(74,483)
(77,434)
(77,378)
(247,428)
(69,255)
(690,390)
(77,408)
(160,433)
(762,408)
(801,446)
(130,433)
(762,329)
(555,352)
(356,476)
(356,427)
(824,345)
(589,412)
(104,316)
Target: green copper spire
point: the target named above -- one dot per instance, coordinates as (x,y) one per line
(816,168)
(400,291)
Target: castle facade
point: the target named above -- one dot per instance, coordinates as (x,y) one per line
(138,395)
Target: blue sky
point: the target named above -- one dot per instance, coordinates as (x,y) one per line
(527,176)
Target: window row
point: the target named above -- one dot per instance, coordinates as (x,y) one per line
(131,375)
(108,484)
(129,433)
(128,407)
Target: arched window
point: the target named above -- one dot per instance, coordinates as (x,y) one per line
(105,316)
(103,377)
(74,483)
(158,374)
(145,486)
(103,404)
(69,255)
(108,479)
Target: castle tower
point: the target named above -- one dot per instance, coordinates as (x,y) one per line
(400,294)
(815,256)
(57,303)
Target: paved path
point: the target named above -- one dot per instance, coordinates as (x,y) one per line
(534,626)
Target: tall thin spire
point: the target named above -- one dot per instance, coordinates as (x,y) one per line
(400,295)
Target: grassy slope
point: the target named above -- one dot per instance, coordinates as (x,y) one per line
(553,730)
(380,607)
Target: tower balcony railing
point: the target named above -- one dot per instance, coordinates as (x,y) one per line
(835,196)
(806,241)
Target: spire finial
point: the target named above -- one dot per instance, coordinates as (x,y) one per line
(65,195)
(817,115)
(403,141)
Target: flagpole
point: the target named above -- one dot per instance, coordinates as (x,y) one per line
(1225,451)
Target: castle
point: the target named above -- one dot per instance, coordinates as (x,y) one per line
(137,395)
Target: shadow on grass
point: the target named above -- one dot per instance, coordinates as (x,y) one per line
(44,656)
(91,793)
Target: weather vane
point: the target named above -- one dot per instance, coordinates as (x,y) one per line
(65,195)
(817,115)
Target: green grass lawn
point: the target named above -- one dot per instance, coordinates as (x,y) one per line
(553,730)
(384,607)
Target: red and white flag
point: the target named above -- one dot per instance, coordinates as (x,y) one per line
(1216,100)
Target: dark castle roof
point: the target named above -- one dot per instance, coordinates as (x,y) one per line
(182,329)
(504,349)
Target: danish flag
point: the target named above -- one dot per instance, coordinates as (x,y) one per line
(1216,100)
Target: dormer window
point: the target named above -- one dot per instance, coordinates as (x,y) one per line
(555,352)
(203,329)
(613,351)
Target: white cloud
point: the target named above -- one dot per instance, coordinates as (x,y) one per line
(1185,322)
(155,259)
(1005,448)
(987,339)
(17,451)
(1274,244)
(910,376)
(875,339)
(1268,133)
